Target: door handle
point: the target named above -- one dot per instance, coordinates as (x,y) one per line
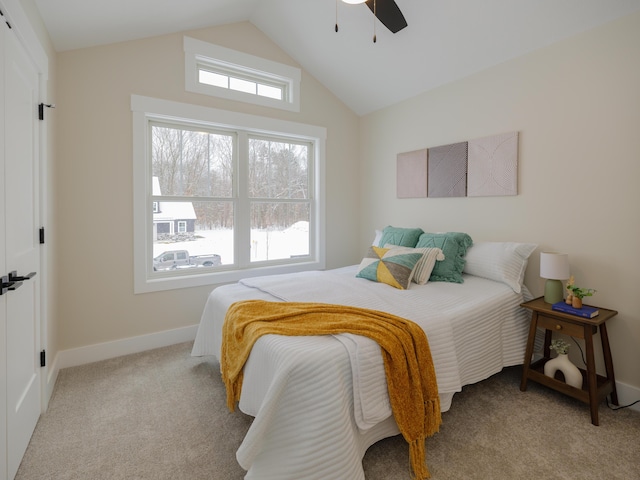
(6,285)
(13,277)
(13,281)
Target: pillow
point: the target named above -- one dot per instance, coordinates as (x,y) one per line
(503,262)
(377,238)
(454,245)
(390,266)
(404,237)
(425,264)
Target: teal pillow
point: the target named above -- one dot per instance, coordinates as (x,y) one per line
(454,245)
(403,237)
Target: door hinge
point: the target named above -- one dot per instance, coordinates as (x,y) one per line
(41,109)
(41,235)
(43,358)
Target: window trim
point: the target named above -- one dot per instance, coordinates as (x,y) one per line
(146,109)
(245,66)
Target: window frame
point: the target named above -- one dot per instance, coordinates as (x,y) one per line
(146,110)
(233,63)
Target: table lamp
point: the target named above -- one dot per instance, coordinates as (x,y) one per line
(554,267)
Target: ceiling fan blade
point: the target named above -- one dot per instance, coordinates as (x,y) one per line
(388,12)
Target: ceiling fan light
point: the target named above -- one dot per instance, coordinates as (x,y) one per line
(354,2)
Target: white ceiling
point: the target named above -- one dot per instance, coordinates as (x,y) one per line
(445,39)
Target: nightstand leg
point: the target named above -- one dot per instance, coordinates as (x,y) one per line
(529,352)
(547,343)
(608,363)
(592,382)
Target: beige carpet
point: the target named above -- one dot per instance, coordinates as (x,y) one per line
(161,415)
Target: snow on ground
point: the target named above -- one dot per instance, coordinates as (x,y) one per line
(265,245)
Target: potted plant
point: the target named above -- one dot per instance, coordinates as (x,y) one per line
(560,346)
(576,294)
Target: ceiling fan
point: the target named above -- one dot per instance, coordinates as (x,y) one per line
(387,11)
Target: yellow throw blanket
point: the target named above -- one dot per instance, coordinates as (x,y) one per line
(411,378)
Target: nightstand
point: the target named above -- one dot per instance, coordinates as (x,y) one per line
(594,387)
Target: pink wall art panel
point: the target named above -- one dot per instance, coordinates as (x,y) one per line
(411,175)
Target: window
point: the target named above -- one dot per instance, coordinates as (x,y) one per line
(214,70)
(221,195)
(233,82)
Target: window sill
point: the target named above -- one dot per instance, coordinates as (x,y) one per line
(171,282)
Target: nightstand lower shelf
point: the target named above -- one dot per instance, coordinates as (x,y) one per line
(536,373)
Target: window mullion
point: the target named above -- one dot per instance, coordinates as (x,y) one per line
(243,217)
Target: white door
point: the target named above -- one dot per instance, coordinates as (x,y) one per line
(3,269)
(22,249)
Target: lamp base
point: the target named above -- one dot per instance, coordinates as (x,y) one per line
(553,292)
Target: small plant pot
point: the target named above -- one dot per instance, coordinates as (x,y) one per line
(576,302)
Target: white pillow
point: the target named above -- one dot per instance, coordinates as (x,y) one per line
(377,238)
(425,265)
(503,262)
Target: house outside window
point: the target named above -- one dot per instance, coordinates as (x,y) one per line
(237,195)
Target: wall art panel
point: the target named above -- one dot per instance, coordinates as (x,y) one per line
(493,166)
(411,174)
(447,172)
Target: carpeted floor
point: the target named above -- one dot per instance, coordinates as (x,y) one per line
(161,415)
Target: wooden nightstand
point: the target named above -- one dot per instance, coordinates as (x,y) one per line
(594,387)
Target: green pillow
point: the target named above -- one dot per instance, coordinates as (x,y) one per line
(403,237)
(392,266)
(454,245)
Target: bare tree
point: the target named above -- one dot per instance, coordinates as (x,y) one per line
(192,162)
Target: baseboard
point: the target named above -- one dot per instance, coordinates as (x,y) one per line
(103,351)
(627,394)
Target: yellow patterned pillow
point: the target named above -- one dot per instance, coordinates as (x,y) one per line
(392,266)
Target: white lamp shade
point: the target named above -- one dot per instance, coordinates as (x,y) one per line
(353,2)
(554,266)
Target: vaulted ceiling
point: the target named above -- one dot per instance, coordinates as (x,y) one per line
(445,40)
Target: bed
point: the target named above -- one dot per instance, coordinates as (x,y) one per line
(319,402)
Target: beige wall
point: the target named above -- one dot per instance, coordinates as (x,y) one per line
(576,105)
(94,178)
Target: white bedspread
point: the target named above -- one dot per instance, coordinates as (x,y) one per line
(320,402)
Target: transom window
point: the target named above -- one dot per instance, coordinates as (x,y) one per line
(218,71)
(218,197)
(233,81)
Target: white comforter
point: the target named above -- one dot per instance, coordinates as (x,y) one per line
(320,402)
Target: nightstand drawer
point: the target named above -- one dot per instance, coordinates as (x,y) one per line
(561,326)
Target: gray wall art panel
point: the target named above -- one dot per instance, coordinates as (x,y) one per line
(447,175)
(493,166)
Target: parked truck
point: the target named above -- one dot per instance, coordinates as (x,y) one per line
(173,259)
